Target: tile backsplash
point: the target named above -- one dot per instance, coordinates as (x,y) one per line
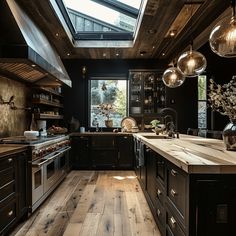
(14,122)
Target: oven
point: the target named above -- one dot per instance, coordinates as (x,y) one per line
(49,166)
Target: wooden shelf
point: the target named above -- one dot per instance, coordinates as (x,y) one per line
(49,91)
(46,102)
(42,116)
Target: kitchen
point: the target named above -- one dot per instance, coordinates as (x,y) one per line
(98,180)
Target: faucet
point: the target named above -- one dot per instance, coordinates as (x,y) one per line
(97,127)
(171,126)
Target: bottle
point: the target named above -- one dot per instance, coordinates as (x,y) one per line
(33,125)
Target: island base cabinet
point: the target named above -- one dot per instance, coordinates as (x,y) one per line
(215,206)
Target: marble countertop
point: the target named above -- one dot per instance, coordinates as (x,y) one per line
(193,154)
(8,149)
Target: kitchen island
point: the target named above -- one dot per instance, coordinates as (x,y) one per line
(189,183)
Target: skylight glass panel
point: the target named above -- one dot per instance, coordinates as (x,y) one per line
(106,16)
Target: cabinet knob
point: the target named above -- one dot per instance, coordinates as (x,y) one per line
(158,212)
(173,172)
(10,160)
(173,192)
(125,137)
(10,213)
(172,222)
(159,192)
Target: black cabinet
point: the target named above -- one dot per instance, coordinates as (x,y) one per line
(80,158)
(105,151)
(151,175)
(125,152)
(13,190)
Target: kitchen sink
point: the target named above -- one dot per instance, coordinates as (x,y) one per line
(156,137)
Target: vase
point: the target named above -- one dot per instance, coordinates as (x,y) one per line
(109,123)
(229,136)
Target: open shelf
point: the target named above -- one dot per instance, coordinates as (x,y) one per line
(47,116)
(46,102)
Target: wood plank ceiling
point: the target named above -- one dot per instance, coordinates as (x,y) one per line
(160,18)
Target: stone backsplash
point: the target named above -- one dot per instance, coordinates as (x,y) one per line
(14,122)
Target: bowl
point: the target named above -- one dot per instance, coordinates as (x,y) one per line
(31,134)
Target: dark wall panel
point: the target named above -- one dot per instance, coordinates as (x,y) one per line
(182,99)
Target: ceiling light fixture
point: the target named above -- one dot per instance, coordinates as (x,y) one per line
(172,33)
(142,53)
(223,36)
(191,63)
(173,77)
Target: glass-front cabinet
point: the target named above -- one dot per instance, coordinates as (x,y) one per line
(147,94)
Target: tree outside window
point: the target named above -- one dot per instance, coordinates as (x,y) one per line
(108,100)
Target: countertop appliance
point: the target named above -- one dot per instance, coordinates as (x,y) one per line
(48,164)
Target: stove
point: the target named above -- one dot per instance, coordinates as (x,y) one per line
(48,164)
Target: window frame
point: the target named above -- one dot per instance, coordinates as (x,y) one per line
(106,77)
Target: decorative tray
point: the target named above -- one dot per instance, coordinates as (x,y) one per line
(127,123)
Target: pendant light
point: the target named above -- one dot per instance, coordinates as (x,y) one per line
(223,36)
(173,77)
(191,63)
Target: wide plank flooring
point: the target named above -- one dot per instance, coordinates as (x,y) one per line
(91,203)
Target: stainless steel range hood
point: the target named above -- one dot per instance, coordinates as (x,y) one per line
(25,52)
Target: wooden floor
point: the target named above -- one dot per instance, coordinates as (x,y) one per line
(91,203)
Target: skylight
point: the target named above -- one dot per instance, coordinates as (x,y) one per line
(101,19)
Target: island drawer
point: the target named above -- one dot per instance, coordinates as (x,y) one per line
(6,162)
(172,224)
(177,189)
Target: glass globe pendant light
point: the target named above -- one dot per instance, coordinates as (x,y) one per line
(173,77)
(191,63)
(223,36)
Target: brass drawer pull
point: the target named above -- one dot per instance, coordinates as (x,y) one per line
(173,172)
(10,213)
(10,160)
(172,222)
(159,192)
(173,192)
(158,212)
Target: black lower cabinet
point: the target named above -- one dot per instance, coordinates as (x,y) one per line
(189,204)
(151,175)
(13,190)
(80,156)
(104,159)
(104,151)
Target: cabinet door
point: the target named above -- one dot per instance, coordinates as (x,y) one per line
(151,175)
(80,158)
(22,183)
(125,147)
(104,158)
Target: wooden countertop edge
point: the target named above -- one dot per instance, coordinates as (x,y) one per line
(74,134)
(9,149)
(193,168)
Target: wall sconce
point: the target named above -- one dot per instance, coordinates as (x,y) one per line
(11,104)
(84,70)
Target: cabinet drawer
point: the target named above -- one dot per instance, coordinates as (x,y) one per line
(6,162)
(160,193)
(7,190)
(173,225)
(160,212)
(176,189)
(6,176)
(7,214)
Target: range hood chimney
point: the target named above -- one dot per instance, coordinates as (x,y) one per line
(25,52)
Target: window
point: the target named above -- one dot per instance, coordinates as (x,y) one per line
(102,19)
(108,100)
(202,102)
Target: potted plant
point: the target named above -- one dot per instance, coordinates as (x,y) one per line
(157,127)
(106,109)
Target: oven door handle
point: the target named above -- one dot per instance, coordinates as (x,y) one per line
(39,164)
(58,154)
